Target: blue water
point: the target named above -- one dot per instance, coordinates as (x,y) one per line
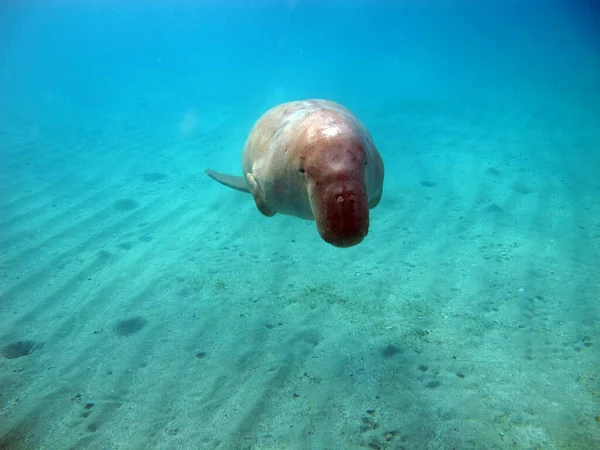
(142,305)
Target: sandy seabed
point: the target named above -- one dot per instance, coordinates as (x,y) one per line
(142,305)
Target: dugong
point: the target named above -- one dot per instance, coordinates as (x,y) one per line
(312,159)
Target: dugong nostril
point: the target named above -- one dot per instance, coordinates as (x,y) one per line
(341,199)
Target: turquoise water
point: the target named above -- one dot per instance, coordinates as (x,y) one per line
(143,305)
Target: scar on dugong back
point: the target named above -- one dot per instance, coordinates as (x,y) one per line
(312,159)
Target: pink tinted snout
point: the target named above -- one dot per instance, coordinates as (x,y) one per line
(344,217)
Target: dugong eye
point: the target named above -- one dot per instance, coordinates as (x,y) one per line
(302,170)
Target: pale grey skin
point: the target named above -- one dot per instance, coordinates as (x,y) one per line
(312,159)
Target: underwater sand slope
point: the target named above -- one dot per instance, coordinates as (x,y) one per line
(144,307)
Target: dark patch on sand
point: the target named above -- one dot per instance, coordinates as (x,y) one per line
(492,171)
(19,349)
(104,255)
(126,204)
(130,326)
(493,208)
(390,351)
(522,188)
(153,177)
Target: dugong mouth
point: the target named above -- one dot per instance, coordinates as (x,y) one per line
(341,213)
